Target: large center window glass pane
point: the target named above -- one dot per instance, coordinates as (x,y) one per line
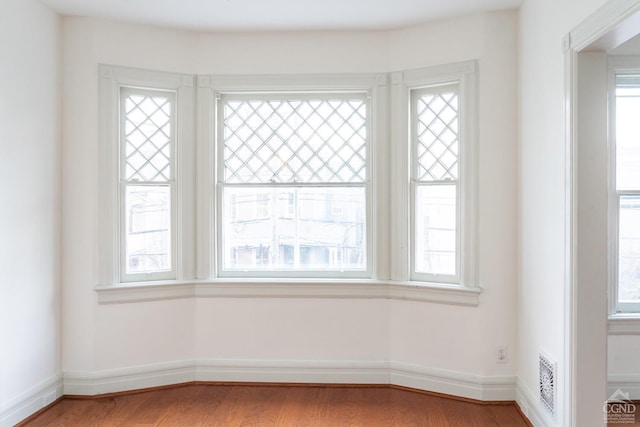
(294,182)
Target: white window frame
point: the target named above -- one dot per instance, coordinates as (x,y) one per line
(464,75)
(124,184)
(221,97)
(617,65)
(416,182)
(112,186)
(210,89)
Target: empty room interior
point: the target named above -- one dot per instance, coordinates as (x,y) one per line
(435,197)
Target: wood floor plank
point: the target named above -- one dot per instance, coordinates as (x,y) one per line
(197,408)
(268,405)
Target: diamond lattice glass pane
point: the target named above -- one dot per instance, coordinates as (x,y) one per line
(147,138)
(294,228)
(295,140)
(148,228)
(437,136)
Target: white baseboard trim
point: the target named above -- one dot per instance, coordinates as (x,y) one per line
(531,407)
(31,401)
(130,378)
(291,371)
(627,383)
(454,383)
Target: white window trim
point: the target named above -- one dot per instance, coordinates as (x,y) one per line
(209,89)
(465,74)
(364,93)
(624,324)
(415,183)
(112,78)
(289,288)
(623,317)
(197,258)
(123,184)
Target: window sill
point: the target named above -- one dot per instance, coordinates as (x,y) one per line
(624,324)
(289,288)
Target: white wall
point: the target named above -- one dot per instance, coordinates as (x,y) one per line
(591,237)
(460,338)
(622,358)
(99,338)
(30,212)
(543,24)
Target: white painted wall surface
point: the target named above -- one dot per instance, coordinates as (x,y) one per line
(98,338)
(624,356)
(623,369)
(30,207)
(292,329)
(543,24)
(461,338)
(591,231)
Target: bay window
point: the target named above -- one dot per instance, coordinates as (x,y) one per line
(290,179)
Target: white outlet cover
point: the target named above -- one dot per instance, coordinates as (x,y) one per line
(502,354)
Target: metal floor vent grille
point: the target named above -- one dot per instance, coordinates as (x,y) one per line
(547,379)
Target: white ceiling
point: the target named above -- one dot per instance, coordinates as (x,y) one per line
(278,15)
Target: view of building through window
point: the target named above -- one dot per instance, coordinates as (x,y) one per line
(312,227)
(147,225)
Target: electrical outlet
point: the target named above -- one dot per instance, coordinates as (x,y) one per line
(49,398)
(502,354)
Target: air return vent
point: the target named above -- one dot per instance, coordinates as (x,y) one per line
(547,379)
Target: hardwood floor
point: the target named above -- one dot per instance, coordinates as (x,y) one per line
(271,405)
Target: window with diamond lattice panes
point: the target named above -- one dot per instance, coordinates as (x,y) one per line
(294,182)
(147,145)
(436,182)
